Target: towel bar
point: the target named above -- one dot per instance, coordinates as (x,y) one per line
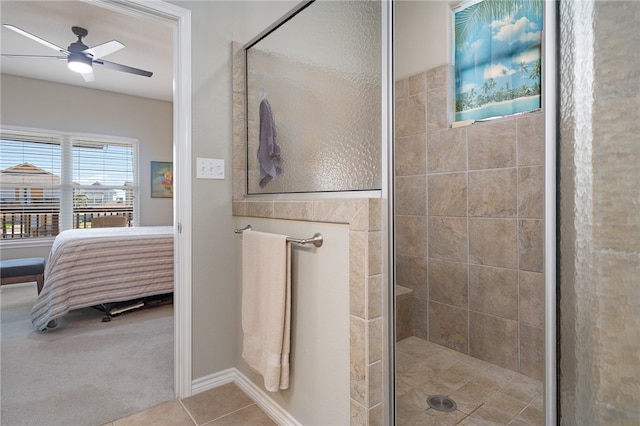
(316,240)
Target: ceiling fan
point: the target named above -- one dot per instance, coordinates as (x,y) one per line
(80,58)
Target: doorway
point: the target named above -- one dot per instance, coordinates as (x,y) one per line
(474,289)
(180,20)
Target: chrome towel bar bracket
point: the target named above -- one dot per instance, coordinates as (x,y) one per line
(316,240)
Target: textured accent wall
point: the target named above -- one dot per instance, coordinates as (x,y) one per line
(469,228)
(599,213)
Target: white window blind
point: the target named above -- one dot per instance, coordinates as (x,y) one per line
(104,173)
(52,182)
(30,183)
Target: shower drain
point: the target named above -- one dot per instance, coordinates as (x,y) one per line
(441,403)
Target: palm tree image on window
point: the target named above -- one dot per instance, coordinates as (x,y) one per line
(497,58)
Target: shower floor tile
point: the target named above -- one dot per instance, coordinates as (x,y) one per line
(484,393)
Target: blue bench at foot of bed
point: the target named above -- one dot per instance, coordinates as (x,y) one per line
(14,271)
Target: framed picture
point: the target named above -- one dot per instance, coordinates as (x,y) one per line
(161,179)
(497,58)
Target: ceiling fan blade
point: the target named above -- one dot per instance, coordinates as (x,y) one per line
(36,38)
(10,55)
(88,76)
(124,68)
(104,49)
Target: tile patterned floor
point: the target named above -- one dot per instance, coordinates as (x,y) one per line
(485,394)
(226,405)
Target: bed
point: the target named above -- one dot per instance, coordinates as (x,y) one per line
(93,267)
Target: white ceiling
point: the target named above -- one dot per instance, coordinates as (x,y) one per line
(148,46)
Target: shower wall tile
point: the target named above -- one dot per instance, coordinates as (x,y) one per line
(375,382)
(402,88)
(438,113)
(493,193)
(411,235)
(293,210)
(358,360)
(494,340)
(448,326)
(493,242)
(531,140)
(404,310)
(411,272)
(530,236)
(532,351)
(417,83)
(411,155)
(419,318)
(410,116)
(438,76)
(530,197)
(447,150)
(239,208)
(494,291)
(260,209)
(448,238)
(374,294)
(410,195)
(448,282)
(447,194)
(357,275)
(239,185)
(492,145)
(375,329)
(238,99)
(476,249)
(374,253)
(359,415)
(336,211)
(531,300)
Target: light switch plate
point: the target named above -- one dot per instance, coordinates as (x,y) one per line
(210,168)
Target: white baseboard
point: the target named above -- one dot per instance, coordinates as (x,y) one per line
(213,380)
(257,394)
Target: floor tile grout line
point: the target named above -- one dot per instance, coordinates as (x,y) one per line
(226,415)
(502,382)
(188,412)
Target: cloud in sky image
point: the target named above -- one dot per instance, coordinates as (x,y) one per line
(497,57)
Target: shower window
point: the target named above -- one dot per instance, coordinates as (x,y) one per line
(497,58)
(313,100)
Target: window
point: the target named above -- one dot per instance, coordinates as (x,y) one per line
(497,58)
(51,182)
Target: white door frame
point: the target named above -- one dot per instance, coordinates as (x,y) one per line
(179,19)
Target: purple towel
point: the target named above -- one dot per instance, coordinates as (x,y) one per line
(268,151)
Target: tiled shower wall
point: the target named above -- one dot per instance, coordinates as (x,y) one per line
(469,226)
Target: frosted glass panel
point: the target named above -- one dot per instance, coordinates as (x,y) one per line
(318,79)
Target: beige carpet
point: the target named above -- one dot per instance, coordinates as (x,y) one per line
(85,372)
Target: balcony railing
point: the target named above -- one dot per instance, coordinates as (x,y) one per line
(35,222)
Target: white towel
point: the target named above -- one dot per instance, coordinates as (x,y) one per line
(266,306)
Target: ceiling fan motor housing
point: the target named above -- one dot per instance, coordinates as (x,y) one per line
(78,46)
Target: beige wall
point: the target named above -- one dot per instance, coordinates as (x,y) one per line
(422,36)
(469,209)
(319,381)
(52,106)
(214,25)
(599,213)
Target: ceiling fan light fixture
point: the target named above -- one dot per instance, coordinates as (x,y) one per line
(79,63)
